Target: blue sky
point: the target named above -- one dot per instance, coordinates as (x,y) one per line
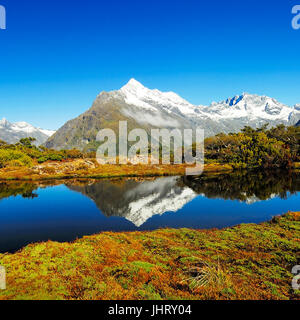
(56,56)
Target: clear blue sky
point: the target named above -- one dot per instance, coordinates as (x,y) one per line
(56,56)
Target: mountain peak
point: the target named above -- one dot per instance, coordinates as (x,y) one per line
(132,83)
(13,132)
(23,124)
(4,122)
(134,93)
(247,98)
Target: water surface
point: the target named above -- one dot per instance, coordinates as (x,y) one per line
(66,210)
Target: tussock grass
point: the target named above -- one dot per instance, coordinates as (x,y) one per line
(205,274)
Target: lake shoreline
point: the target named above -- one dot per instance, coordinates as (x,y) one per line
(89,169)
(248,261)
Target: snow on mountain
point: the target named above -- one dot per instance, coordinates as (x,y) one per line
(226,116)
(13,132)
(136,94)
(249,106)
(48,133)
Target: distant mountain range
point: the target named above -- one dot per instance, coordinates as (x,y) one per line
(13,132)
(145,108)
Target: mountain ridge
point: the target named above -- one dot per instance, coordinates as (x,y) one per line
(12,132)
(146,108)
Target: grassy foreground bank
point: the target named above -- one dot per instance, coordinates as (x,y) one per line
(250,261)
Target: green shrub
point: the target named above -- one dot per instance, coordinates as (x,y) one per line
(55,157)
(277,147)
(73,154)
(51,156)
(10,156)
(42,159)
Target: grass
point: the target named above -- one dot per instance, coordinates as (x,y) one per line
(89,168)
(249,261)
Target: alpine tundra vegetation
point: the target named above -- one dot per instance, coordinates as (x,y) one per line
(250,261)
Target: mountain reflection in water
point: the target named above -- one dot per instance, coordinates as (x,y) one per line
(137,201)
(63,210)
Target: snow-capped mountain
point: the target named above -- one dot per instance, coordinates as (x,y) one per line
(13,132)
(247,108)
(135,93)
(146,108)
(253,107)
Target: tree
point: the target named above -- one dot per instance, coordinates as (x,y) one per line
(27,142)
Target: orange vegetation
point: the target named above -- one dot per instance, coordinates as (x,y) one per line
(89,168)
(250,261)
